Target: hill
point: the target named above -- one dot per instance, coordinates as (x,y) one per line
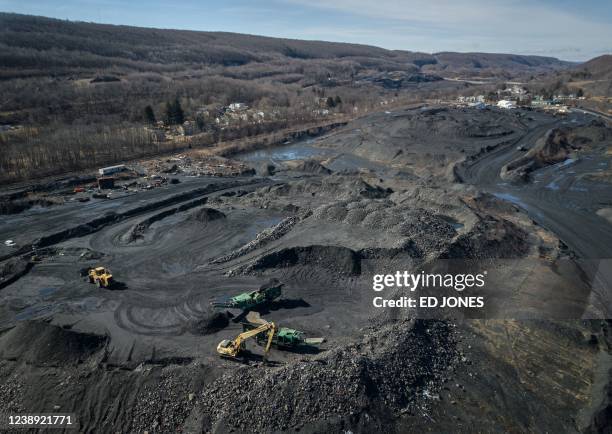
(34,45)
(592,79)
(598,68)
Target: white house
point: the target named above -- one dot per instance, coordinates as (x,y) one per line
(237,106)
(505,104)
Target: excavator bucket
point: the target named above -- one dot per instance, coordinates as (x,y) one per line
(255,318)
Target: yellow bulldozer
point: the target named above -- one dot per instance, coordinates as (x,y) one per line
(101,276)
(233,348)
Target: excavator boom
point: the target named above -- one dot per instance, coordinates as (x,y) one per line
(232,348)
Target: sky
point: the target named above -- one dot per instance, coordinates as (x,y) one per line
(567,29)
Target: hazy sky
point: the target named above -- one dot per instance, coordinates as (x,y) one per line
(568,29)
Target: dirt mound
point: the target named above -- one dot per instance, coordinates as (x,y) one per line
(264,237)
(312,166)
(491,238)
(42,344)
(374,192)
(265,169)
(205,215)
(12,269)
(428,230)
(211,323)
(553,148)
(311,191)
(394,369)
(337,259)
(336,186)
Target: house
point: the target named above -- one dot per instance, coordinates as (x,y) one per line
(506,104)
(259,116)
(478,105)
(106,182)
(187,129)
(157,134)
(238,106)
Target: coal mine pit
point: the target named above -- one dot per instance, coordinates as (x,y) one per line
(402,190)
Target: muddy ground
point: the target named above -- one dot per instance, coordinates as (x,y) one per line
(397,190)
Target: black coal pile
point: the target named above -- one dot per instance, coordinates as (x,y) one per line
(491,238)
(394,370)
(42,344)
(337,259)
(264,237)
(205,215)
(374,192)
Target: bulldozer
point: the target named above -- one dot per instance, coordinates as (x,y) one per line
(233,348)
(248,300)
(100,275)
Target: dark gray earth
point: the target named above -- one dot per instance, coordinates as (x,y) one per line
(400,190)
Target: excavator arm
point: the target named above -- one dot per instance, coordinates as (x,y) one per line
(252,333)
(270,337)
(232,348)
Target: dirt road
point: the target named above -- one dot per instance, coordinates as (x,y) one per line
(559,198)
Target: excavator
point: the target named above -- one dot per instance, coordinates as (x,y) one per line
(233,348)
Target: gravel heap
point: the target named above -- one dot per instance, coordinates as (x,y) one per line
(429,231)
(41,344)
(269,234)
(164,404)
(335,186)
(397,367)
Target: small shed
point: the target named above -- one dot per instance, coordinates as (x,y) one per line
(106,182)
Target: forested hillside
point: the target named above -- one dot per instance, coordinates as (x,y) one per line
(76,95)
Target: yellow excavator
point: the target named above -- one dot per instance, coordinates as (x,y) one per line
(233,348)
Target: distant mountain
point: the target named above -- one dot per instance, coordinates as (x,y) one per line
(36,46)
(509,62)
(598,68)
